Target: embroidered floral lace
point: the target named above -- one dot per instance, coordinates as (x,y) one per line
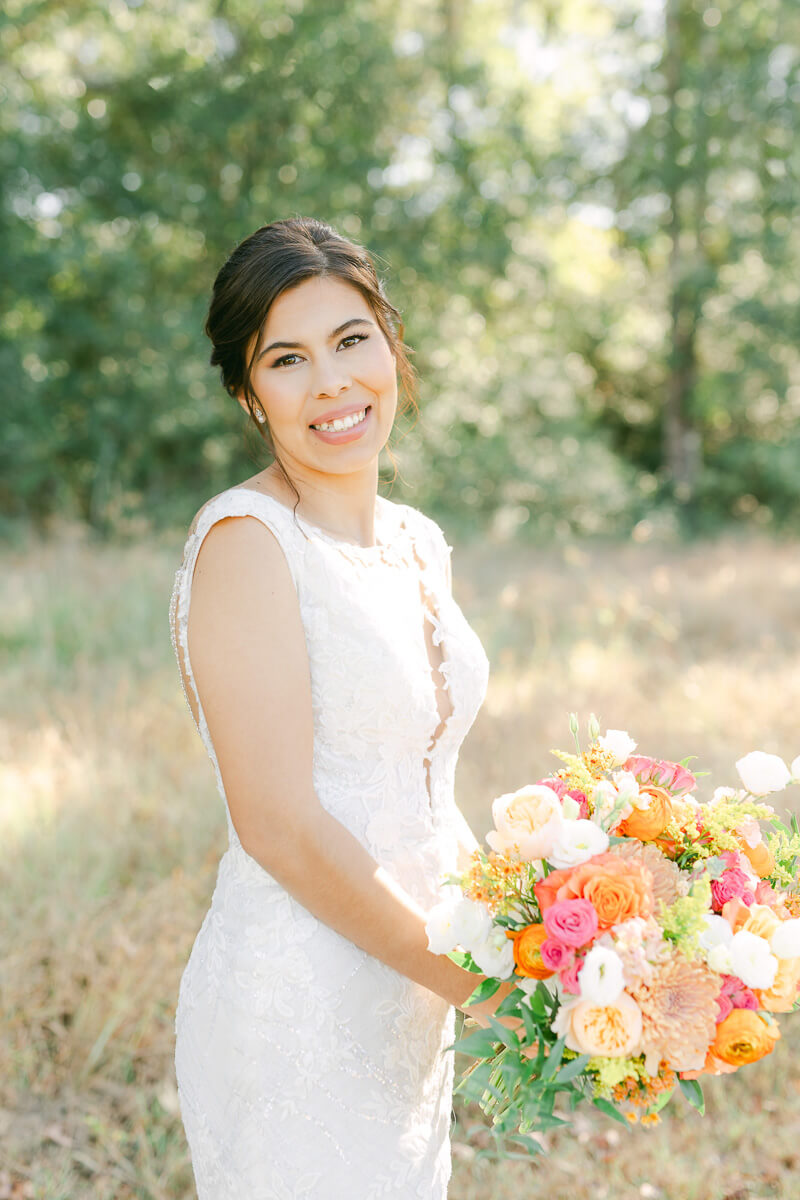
(306,1067)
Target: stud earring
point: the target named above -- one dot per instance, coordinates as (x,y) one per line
(260,416)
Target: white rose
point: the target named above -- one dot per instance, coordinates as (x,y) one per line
(471,922)
(495,954)
(723,793)
(752,960)
(577,842)
(628,789)
(619,744)
(720,958)
(716,933)
(440,927)
(761,773)
(785,941)
(602,977)
(795,769)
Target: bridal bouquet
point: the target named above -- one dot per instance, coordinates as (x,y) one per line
(651,938)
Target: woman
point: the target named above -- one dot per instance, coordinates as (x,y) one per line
(332,677)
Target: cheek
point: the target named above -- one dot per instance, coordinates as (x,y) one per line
(378,368)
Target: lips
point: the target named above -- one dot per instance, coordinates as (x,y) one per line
(335,414)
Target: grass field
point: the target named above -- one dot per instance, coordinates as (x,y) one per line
(111,830)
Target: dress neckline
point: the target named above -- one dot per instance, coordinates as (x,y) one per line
(368,553)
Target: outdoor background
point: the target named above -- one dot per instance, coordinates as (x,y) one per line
(587,214)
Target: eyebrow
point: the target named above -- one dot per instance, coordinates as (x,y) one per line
(298,345)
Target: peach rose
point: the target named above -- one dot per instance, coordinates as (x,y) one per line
(607,1031)
(761,921)
(617,888)
(647,823)
(528,951)
(743,1037)
(780,997)
(527,821)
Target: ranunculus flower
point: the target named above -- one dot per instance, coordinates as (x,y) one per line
(529,819)
(743,1037)
(602,976)
(577,842)
(573,922)
(527,951)
(795,769)
(752,960)
(617,888)
(669,775)
(555,955)
(760,858)
(494,955)
(647,823)
(763,773)
(618,743)
(606,1031)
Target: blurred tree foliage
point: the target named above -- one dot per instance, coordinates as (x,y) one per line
(587,213)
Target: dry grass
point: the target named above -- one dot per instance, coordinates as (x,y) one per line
(112,829)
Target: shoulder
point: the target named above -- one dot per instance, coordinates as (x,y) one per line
(226,544)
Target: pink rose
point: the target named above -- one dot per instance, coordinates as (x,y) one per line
(731,883)
(739,996)
(672,776)
(569,977)
(573,922)
(765,893)
(561,789)
(555,955)
(725,1006)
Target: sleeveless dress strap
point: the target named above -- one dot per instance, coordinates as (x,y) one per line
(235,502)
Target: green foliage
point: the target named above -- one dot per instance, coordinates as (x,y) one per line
(572,270)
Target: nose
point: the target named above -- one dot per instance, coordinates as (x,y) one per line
(330,377)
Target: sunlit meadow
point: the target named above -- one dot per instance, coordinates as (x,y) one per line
(111,830)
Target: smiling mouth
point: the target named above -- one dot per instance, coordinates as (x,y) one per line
(343,422)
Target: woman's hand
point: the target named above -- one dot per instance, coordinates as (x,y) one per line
(488,1008)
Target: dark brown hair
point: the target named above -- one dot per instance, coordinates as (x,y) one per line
(269,262)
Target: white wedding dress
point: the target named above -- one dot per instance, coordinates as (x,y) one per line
(305,1066)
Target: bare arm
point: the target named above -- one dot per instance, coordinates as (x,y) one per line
(248,652)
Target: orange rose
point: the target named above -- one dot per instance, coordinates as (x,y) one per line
(617,888)
(760,857)
(647,823)
(743,1037)
(527,951)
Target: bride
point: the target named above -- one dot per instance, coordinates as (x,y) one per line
(332,677)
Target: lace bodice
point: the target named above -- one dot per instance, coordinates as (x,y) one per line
(397,678)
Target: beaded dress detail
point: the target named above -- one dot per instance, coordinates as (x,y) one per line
(306,1067)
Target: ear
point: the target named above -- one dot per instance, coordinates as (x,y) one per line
(239,396)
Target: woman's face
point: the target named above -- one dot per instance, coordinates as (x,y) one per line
(322,356)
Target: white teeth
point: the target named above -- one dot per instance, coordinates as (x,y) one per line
(343,422)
